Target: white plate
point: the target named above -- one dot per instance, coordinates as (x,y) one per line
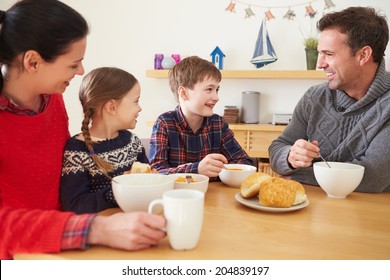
(255,204)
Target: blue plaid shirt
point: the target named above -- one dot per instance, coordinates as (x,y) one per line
(175,148)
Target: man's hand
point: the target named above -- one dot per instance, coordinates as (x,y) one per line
(302,153)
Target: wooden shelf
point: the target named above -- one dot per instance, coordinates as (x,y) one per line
(254,74)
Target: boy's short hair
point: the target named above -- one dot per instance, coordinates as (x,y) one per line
(190,71)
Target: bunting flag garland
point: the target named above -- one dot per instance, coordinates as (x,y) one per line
(249,12)
(290,14)
(310,11)
(329,4)
(264,52)
(269,15)
(230,8)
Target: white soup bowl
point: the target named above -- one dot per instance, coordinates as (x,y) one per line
(234,174)
(199,182)
(340,179)
(134,192)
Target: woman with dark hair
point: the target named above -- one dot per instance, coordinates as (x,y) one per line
(42,45)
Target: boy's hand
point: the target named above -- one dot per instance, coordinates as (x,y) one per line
(212,164)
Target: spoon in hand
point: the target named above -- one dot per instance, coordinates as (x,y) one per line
(324,160)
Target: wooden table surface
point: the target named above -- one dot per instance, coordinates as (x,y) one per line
(357,227)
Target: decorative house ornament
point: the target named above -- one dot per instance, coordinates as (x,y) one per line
(264,51)
(217,57)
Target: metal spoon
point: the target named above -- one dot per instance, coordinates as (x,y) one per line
(188,178)
(324,160)
(321,156)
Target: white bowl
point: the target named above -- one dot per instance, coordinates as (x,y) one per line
(234,178)
(134,192)
(200,183)
(340,179)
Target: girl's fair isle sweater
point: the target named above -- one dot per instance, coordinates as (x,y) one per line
(84,188)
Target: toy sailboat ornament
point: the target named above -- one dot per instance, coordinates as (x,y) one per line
(264,51)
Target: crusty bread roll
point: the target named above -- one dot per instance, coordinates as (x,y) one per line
(251,185)
(283,193)
(139,167)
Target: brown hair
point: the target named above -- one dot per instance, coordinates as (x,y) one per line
(190,71)
(363,26)
(99,86)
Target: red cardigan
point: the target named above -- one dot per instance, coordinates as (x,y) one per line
(31,149)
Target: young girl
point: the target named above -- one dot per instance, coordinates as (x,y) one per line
(105,148)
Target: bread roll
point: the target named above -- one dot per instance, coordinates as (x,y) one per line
(139,167)
(251,185)
(283,193)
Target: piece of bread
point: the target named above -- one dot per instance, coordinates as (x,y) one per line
(283,193)
(139,167)
(251,185)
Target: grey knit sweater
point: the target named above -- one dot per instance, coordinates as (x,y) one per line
(358,133)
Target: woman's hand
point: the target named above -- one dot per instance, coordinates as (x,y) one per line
(127,231)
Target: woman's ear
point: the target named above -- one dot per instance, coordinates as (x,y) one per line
(31,61)
(110,106)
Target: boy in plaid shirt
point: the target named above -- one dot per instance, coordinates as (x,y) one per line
(192,139)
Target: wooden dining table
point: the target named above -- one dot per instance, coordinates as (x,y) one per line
(356,227)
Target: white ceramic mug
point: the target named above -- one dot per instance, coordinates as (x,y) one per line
(183,210)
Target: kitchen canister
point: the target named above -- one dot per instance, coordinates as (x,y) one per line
(250,107)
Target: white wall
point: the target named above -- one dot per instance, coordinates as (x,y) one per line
(127,34)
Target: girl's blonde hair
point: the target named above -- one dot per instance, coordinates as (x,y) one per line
(99,86)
